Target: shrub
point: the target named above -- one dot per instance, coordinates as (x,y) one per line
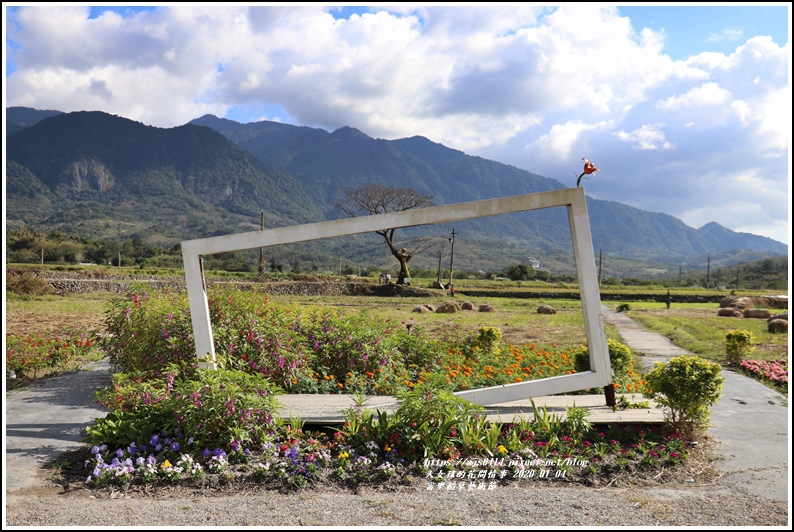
(148,333)
(302,350)
(621,359)
(429,415)
(32,356)
(738,346)
(213,408)
(341,346)
(26,283)
(623,307)
(685,387)
(489,338)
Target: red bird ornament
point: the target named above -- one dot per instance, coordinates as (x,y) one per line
(589,168)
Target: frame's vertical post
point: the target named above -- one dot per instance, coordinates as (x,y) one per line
(199,308)
(588,284)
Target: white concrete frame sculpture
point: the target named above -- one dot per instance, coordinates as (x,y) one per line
(572,198)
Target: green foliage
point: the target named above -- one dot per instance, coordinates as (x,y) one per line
(489,338)
(25,283)
(738,346)
(147,333)
(301,349)
(622,403)
(551,423)
(685,387)
(576,419)
(214,408)
(621,359)
(703,333)
(418,350)
(429,415)
(623,307)
(30,356)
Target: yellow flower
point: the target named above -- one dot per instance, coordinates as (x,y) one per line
(502,449)
(343,455)
(166,464)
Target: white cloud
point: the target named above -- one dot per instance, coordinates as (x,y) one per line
(705,94)
(727,34)
(648,137)
(561,139)
(533,86)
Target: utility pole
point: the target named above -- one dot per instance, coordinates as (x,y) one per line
(262,250)
(680,271)
(438,275)
(708,273)
(451,254)
(737,278)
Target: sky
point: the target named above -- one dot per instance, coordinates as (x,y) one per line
(685,109)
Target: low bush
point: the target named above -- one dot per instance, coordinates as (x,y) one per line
(621,360)
(32,356)
(212,408)
(685,387)
(738,346)
(25,283)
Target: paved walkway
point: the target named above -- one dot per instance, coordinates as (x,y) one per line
(751,422)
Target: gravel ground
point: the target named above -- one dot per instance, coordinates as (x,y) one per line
(521,505)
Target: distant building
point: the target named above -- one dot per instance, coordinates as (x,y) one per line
(533,263)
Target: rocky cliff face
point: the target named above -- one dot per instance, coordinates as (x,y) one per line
(83,175)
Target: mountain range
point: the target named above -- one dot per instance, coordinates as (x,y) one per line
(104,176)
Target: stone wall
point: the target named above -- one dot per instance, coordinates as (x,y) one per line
(89,281)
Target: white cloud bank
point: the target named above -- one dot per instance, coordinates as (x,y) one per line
(531,86)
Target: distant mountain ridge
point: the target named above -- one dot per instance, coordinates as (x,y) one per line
(97,174)
(455,177)
(184,181)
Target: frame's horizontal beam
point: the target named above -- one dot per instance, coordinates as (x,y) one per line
(379,222)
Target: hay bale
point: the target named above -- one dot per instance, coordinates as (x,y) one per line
(468,305)
(747,302)
(740,302)
(546,309)
(779,317)
(447,308)
(487,308)
(429,307)
(756,313)
(730,312)
(420,309)
(777,326)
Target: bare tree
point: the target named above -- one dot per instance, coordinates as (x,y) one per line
(380,199)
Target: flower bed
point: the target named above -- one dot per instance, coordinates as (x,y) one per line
(774,373)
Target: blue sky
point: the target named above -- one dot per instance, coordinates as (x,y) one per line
(685,109)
